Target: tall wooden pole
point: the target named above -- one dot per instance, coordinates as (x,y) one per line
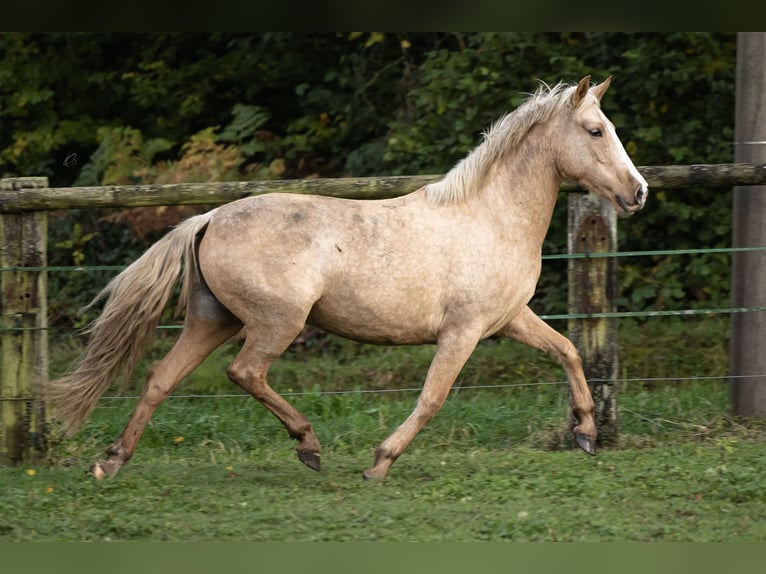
(748,330)
(593,229)
(23,323)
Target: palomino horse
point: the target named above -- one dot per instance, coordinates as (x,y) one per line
(452,263)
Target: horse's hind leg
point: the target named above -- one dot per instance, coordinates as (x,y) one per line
(200,337)
(262,346)
(528,328)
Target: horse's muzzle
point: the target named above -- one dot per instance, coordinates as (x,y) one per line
(638,201)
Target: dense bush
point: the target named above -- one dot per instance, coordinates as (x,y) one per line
(138,108)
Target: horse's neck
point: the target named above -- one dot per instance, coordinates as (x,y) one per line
(521,191)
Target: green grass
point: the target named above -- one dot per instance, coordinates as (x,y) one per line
(216,491)
(222,468)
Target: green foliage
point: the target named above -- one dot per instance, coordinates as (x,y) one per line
(76,243)
(456,93)
(121,156)
(243,128)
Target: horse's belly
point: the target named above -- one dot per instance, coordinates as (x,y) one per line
(407,313)
(402,324)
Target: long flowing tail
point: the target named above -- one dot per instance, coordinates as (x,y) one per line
(135,300)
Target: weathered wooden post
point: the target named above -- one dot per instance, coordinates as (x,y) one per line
(748,270)
(23,327)
(592,289)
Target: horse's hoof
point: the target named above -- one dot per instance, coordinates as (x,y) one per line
(105,469)
(97,471)
(310,459)
(372,475)
(586,442)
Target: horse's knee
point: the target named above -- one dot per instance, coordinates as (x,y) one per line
(569,356)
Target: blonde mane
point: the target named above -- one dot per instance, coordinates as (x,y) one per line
(505,135)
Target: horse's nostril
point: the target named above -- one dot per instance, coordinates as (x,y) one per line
(640,194)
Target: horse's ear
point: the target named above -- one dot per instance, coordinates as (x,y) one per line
(580,91)
(601,88)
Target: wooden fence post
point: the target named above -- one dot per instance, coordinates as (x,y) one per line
(592,289)
(23,328)
(747,347)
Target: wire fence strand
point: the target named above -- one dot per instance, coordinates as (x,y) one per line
(545,257)
(455,388)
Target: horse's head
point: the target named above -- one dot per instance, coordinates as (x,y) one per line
(591,154)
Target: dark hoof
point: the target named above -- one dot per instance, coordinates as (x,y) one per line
(587,443)
(310,459)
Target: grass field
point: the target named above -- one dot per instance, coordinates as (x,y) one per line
(485,468)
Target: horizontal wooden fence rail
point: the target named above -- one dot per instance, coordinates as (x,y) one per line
(24,202)
(23,197)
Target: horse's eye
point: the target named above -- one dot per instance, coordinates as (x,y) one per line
(596,133)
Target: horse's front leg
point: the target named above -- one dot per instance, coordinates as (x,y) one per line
(452,352)
(528,328)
